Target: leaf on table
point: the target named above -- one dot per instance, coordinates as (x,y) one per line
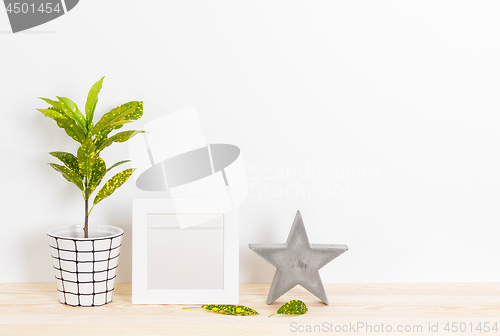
(228,309)
(294,307)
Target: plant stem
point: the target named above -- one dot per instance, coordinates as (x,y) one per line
(191,307)
(86,227)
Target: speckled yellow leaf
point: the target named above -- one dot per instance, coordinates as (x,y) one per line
(72,111)
(228,309)
(294,307)
(116,117)
(54,103)
(69,175)
(92,101)
(86,157)
(69,160)
(72,129)
(96,175)
(63,121)
(114,183)
(119,137)
(52,113)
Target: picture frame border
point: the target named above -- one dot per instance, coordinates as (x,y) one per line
(142,295)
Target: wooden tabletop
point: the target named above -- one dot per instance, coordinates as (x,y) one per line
(407,309)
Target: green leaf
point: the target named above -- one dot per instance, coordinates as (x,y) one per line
(92,101)
(69,175)
(294,307)
(116,117)
(119,124)
(101,136)
(228,309)
(72,129)
(119,137)
(114,183)
(55,104)
(72,111)
(117,164)
(86,158)
(63,121)
(52,113)
(138,111)
(69,160)
(96,175)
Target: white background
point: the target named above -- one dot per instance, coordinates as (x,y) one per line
(396,100)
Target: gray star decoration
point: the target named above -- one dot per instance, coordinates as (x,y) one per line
(297,262)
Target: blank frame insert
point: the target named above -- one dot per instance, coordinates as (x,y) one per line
(190,258)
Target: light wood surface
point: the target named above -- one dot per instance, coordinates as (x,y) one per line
(34,309)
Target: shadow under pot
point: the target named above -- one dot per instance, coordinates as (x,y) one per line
(85,268)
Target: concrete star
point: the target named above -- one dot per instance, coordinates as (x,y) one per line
(297,262)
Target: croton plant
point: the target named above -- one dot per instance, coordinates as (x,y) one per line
(87,169)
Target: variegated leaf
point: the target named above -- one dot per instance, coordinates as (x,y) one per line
(119,124)
(69,175)
(138,111)
(55,104)
(63,121)
(294,307)
(114,117)
(100,137)
(72,111)
(114,183)
(92,102)
(96,175)
(72,129)
(228,309)
(86,158)
(52,113)
(119,137)
(117,164)
(69,160)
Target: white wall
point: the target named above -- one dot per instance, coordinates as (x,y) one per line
(397,101)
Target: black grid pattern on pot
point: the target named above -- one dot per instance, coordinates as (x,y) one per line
(77,268)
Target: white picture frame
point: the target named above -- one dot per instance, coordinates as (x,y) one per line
(145,287)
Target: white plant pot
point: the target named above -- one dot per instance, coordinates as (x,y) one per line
(85,268)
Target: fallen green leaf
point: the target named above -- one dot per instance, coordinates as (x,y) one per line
(228,309)
(294,307)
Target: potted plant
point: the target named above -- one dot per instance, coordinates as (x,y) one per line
(85,259)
